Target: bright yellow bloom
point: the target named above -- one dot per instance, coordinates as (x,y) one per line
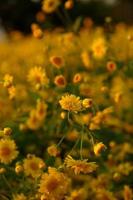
(53,185)
(80,166)
(37,76)
(50,6)
(98,148)
(99,48)
(8,150)
(87,103)
(71,103)
(32,166)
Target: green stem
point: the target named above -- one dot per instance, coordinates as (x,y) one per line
(6,182)
(81,143)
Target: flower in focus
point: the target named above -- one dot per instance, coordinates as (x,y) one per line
(80,166)
(71,103)
(8,150)
(53,185)
(37,77)
(32,166)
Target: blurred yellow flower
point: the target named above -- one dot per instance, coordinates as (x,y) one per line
(32,166)
(50,6)
(37,76)
(8,150)
(57,61)
(99,48)
(7,80)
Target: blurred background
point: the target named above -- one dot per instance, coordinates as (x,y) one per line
(19,14)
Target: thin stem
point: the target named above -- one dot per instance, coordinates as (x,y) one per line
(5,180)
(74,146)
(68,117)
(61,17)
(91,138)
(61,140)
(81,143)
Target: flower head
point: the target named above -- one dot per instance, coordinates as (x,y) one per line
(80,166)
(99,48)
(32,166)
(37,77)
(53,185)
(50,6)
(8,150)
(71,103)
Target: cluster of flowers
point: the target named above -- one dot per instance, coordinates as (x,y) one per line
(66,110)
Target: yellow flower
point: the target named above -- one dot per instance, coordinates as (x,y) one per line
(69,4)
(32,166)
(111,66)
(34,121)
(60,81)
(41,109)
(99,48)
(71,103)
(77,78)
(80,166)
(53,185)
(37,76)
(12,92)
(50,6)
(87,103)
(98,148)
(57,61)
(8,150)
(53,151)
(8,80)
